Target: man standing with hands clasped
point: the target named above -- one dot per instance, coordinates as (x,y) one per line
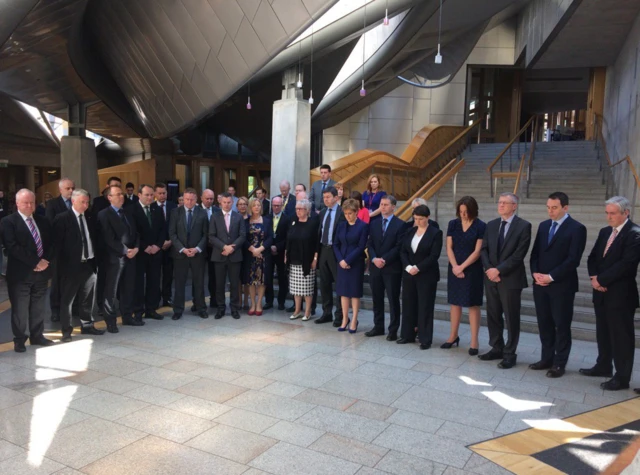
(555,258)
(504,247)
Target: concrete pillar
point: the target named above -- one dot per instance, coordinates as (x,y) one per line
(290,136)
(78,161)
(30,177)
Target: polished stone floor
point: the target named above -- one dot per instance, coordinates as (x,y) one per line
(267,395)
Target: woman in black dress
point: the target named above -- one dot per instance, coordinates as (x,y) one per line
(466,279)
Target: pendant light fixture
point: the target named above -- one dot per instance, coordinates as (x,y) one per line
(299,83)
(439,56)
(363,91)
(249,97)
(386,13)
(311,72)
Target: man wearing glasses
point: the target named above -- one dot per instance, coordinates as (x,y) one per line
(504,247)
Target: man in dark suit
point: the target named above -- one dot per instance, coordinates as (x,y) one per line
(54,207)
(150,226)
(330,218)
(130,197)
(75,243)
(555,258)
(504,247)
(188,229)
(613,265)
(316,195)
(102,202)
(280,221)
(206,203)
(29,245)
(227,235)
(288,200)
(261,194)
(385,269)
(120,244)
(166,207)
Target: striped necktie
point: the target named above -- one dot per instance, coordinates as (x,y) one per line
(36,236)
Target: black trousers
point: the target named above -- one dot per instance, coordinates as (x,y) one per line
(120,281)
(328,272)
(54,292)
(391,284)
(100,282)
(232,271)
(210,269)
(499,301)
(277,263)
(181,269)
(167,274)
(615,334)
(418,304)
(28,302)
(555,314)
(79,287)
(147,294)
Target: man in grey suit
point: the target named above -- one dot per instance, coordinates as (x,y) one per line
(318,187)
(188,229)
(504,247)
(227,235)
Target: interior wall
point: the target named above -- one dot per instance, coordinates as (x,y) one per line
(622,124)
(390,123)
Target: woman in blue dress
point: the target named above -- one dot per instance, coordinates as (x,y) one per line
(466,278)
(257,251)
(371,198)
(348,247)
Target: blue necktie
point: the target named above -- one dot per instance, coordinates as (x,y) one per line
(324,185)
(68,203)
(552,232)
(384,225)
(189,224)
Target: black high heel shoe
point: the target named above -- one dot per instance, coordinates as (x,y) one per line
(473,351)
(353,331)
(344,329)
(446,345)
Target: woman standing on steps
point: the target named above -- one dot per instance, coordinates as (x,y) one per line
(465,279)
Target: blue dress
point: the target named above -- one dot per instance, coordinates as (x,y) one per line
(349,245)
(466,292)
(372,200)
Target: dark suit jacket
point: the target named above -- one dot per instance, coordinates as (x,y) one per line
(116,236)
(290,208)
(178,231)
(561,257)
(387,247)
(99,203)
(617,270)
(510,260)
(21,247)
(266,207)
(219,237)
(339,218)
(68,241)
(169,207)
(134,199)
(149,234)
(55,207)
(426,255)
(280,235)
(315,194)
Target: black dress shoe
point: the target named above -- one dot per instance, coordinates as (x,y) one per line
(540,365)
(473,351)
(337,323)
(176,316)
(491,355)
(235,314)
(267,306)
(324,320)
(203,314)
(42,341)
(507,363)
(112,328)
(167,303)
(55,318)
(614,385)
(636,390)
(425,346)
(290,309)
(404,341)
(66,336)
(392,337)
(19,347)
(595,371)
(555,372)
(194,309)
(281,307)
(132,322)
(91,330)
(219,314)
(374,332)
(154,315)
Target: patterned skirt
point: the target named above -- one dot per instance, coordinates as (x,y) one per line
(300,284)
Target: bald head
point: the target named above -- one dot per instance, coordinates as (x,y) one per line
(66,187)
(207,198)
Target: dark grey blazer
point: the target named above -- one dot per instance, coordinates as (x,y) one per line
(219,237)
(510,260)
(315,195)
(178,231)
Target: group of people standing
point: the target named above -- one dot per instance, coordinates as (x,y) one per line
(130,248)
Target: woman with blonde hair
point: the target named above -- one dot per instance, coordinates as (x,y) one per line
(259,238)
(372,196)
(243,208)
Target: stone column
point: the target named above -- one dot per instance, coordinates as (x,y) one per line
(30,177)
(78,162)
(290,136)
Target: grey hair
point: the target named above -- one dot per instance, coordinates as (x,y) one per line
(79,192)
(24,191)
(420,201)
(513,197)
(392,199)
(306,203)
(62,180)
(621,202)
(285,182)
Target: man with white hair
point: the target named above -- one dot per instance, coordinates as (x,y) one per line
(414,204)
(55,207)
(288,200)
(28,240)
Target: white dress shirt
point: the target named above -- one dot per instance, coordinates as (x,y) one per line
(415,242)
(86,233)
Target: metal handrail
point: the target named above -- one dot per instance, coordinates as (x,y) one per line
(501,155)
